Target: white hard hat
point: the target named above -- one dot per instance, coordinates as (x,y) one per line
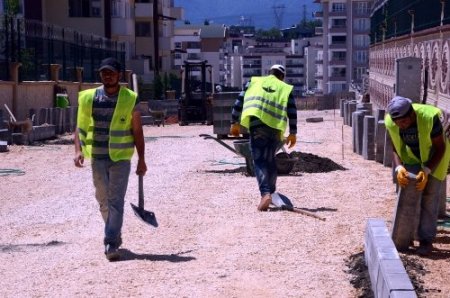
(279,67)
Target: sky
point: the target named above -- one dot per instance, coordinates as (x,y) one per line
(260,12)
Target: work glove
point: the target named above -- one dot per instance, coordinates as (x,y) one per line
(291,140)
(422,179)
(402,176)
(235,129)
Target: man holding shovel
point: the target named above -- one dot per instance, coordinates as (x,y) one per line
(266,107)
(108,129)
(419,148)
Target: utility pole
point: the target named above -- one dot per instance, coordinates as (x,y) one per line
(156,37)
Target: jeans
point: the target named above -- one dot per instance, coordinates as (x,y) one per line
(264,143)
(429,207)
(111,181)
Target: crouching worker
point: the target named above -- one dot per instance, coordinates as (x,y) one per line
(419,143)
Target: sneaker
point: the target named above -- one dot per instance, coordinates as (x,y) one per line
(111,252)
(425,248)
(266,200)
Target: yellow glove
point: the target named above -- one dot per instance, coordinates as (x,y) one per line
(422,179)
(235,129)
(402,176)
(291,140)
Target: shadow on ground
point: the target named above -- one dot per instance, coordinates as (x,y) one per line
(128,255)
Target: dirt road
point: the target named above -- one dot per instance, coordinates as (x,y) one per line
(211,242)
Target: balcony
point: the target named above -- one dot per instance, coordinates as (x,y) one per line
(338,29)
(318,76)
(337,78)
(338,45)
(338,13)
(337,61)
(319,30)
(143,10)
(318,14)
(121,26)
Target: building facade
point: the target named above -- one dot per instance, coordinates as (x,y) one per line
(343,54)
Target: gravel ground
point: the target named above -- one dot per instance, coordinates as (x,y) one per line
(211,242)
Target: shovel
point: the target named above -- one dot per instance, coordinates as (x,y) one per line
(283,202)
(146,216)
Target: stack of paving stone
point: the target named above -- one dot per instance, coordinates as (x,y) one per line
(388,276)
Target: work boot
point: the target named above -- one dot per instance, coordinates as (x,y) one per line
(425,248)
(111,252)
(266,200)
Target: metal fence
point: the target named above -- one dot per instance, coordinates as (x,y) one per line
(37,45)
(396,17)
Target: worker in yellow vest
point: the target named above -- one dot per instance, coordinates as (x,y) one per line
(266,107)
(108,129)
(419,147)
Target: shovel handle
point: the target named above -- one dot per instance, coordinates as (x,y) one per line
(304,212)
(141,192)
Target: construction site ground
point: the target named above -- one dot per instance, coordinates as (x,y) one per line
(211,240)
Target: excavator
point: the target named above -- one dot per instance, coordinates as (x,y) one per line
(195,103)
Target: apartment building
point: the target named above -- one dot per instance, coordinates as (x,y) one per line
(202,42)
(343,55)
(147,38)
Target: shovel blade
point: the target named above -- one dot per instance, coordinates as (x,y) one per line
(146,216)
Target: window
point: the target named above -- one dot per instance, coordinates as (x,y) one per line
(340,56)
(144,1)
(361,56)
(361,40)
(116,10)
(339,23)
(177,45)
(362,7)
(338,7)
(143,29)
(359,73)
(361,24)
(85,8)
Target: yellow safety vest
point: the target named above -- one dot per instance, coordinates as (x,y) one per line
(121,140)
(424,115)
(266,98)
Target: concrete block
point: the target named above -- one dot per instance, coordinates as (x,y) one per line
(364,106)
(388,149)
(42,132)
(3,146)
(147,120)
(342,106)
(380,133)
(351,108)
(403,294)
(368,147)
(395,282)
(346,111)
(405,216)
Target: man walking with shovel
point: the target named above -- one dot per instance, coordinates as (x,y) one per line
(266,108)
(108,129)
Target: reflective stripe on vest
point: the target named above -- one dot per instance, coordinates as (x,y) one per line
(121,140)
(266,98)
(425,118)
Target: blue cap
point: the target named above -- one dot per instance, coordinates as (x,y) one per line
(399,107)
